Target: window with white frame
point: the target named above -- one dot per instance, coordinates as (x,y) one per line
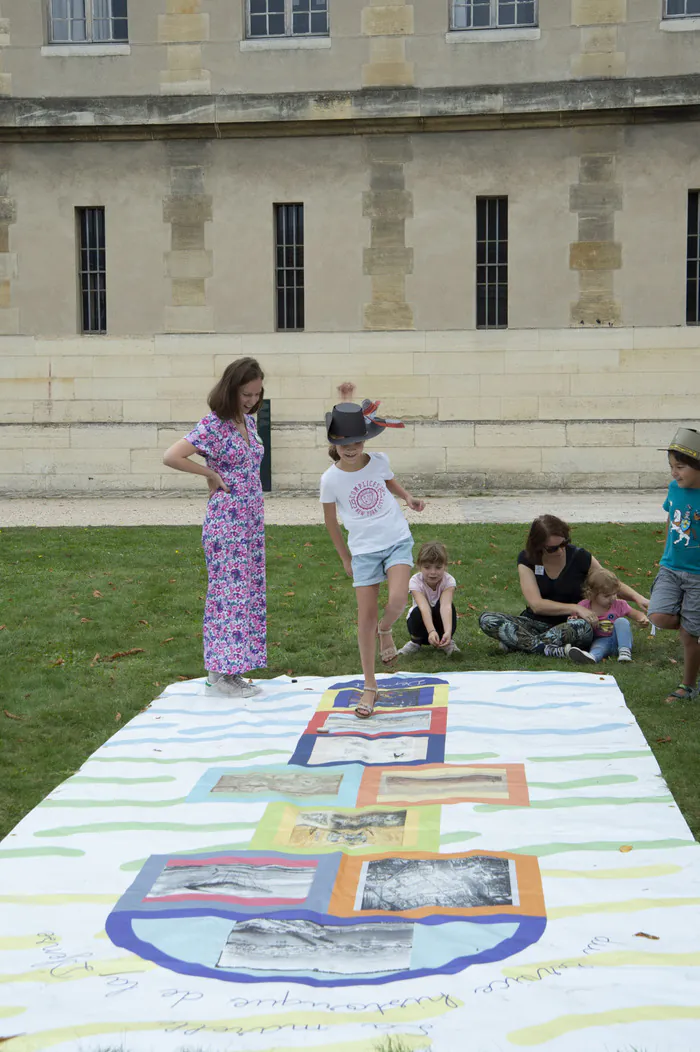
(495,14)
(287,18)
(681,8)
(88,21)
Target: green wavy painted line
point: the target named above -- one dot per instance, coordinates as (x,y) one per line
(121,827)
(580,783)
(473,756)
(626,755)
(578,801)
(211,760)
(114,803)
(542,850)
(36,852)
(130,867)
(453,838)
(122,781)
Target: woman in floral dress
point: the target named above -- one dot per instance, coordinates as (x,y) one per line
(233,534)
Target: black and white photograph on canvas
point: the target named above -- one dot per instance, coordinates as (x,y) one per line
(397,884)
(238,880)
(272,944)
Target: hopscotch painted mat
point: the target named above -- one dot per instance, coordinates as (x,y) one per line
(492,862)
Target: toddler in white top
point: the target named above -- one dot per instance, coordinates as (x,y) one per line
(432,620)
(362,487)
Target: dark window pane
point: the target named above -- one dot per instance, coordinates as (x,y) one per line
(289,227)
(693,261)
(491,262)
(319,23)
(527,15)
(275,6)
(481,14)
(301,23)
(258,7)
(92,275)
(675,7)
(258,25)
(276,24)
(506,13)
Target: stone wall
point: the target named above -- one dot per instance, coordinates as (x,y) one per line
(571,408)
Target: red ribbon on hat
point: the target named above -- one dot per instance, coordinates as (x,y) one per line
(370,413)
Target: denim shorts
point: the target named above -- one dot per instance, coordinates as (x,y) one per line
(677,592)
(371,567)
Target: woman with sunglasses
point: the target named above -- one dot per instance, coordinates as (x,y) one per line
(552,574)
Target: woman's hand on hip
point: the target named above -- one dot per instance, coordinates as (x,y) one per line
(215,483)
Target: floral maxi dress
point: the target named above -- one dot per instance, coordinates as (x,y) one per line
(233,537)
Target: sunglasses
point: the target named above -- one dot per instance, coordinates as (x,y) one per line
(552,548)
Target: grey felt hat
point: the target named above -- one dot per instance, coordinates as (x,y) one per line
(350,422)
(686,440)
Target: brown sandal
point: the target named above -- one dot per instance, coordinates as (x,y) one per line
(363,712)
(390,653)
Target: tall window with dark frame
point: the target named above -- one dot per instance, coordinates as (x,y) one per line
(693,293)
(92,269)
(88,22)
(289,234)
(681,8)
(287,18)
(491,262)
(494,14)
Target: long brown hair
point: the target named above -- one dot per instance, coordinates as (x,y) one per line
(224,396)
(543,527)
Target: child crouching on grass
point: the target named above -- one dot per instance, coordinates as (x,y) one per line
(432,620)
(613,633)
(675,594)
(362,487)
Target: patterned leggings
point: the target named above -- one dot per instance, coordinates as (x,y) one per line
(524,633)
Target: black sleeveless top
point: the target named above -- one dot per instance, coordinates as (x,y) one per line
(566,588)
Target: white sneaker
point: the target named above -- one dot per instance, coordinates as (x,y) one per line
(579,656)
(625,654)
(410,648)
(231,687)
(452,648)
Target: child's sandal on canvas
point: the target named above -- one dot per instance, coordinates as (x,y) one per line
(387,653)
(681,693)
(363,711)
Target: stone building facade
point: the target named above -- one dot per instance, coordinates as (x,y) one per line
(480,211)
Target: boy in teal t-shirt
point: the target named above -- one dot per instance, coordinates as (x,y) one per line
(675,594)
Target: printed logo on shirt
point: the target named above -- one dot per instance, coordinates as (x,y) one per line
(367,498)
(684,524)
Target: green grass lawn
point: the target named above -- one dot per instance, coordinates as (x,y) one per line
(74,600)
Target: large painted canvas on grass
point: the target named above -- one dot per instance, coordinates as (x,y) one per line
(493,862)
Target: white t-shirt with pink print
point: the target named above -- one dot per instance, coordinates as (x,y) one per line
(370,514)
(417,584)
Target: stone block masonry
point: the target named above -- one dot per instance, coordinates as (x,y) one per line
(568,408)
(188,208)
(387,205)
(183,29)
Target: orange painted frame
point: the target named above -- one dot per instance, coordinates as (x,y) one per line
(531,897)
(518,796)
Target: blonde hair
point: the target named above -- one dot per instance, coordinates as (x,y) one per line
(432,553)
(601,582)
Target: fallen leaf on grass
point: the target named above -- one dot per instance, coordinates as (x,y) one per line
(673,661)
(57,662)
(308,544)
(183,677)
(171,580)
(275,644)
(118,717)
(142,622)
(471,606)
(645,935)
(85,620)
(168,640)
(289,593)
(11,715)
(125,653)
(663,741)
(94,660)
(627,847)
(2,627)
(97,595)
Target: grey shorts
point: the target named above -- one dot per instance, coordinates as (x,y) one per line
(677,592)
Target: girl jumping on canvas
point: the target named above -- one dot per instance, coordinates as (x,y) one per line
(362,487)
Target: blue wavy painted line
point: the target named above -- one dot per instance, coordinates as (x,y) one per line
(553,683)
(139,726)
(223,712)
(600,729)
(263,733)
(267,726)
(521,708)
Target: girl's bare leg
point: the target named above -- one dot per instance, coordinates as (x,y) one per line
(367,616)
(691,658)
(397,580)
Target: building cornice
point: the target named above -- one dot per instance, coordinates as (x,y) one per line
(373,110)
